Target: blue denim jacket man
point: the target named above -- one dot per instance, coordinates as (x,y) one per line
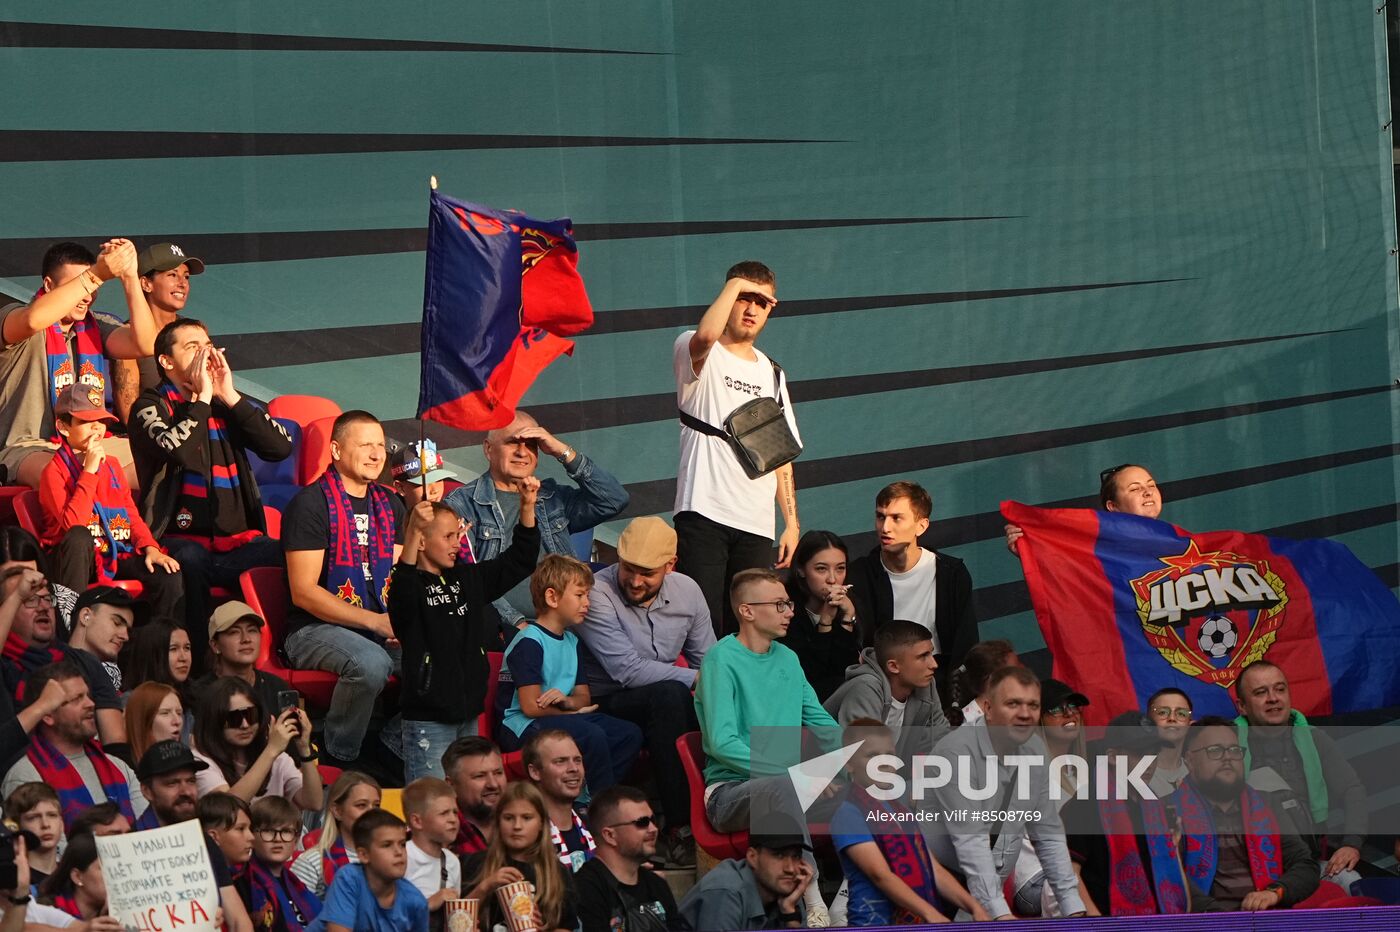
(512,453)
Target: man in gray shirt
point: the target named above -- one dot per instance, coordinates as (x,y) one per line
(985,854)
(763,891)
(642,617)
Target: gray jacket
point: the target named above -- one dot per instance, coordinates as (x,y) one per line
(866,694)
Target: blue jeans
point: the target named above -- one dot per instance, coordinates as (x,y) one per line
(424,743)
(363,667)
(203,569)
(609,745)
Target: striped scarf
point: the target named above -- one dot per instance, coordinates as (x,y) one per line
(333,859)
(1132,892)
(92,364)
(283,896)
(73,796)
(345,558)
(110,525)
(905,853)
(1261,837)
(573,860)
(24,659)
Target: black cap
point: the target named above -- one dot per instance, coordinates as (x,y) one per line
(1128,732)
(165,757)
(103,595)
(1053,693)
(778,832)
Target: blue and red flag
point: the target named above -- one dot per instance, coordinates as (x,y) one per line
(501,294)
(1129,605)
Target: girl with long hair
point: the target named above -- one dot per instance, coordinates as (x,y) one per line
(521,849)
(159,652)
(350,796)
(970,680)
(154,712)
(823,629)
(247,751)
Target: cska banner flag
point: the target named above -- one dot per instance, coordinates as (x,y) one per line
(501,293)
(1129,605)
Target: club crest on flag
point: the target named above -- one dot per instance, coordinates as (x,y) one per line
(1211,613)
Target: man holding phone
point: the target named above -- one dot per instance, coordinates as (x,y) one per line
(235,643)
(724,518)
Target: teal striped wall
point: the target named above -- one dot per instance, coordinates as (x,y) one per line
(1015,242)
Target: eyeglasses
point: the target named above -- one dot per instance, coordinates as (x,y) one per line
(1067,708)
(34,601)
(644,822)
(277,834)
(783,606)
(240,718)
(1217,751)
(1181,715)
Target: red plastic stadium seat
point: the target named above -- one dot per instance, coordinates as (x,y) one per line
(265,591)
(717,844)
(486,724)
(8,494)
(273,518)
(31,517)
(302,408)
(315,450)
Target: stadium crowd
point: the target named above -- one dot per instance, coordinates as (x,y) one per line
(534,716)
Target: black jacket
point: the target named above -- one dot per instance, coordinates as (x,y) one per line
(445,642)
(954,622)
(166,440)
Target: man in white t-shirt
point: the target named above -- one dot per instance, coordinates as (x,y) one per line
(902,579)
(724,519)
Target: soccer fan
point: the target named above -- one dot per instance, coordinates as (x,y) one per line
(617,891)
(431,810)
(766,890)
(349,797)
(474,768)
(373,896)
(1128,488)
(165,272)
(521,851)
(893,684)
(252,752)
(555,766)
(823,633)
(102,621)
(276,897)
(235,641)
(407,463)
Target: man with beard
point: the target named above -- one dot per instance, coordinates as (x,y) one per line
(1235,854)
(554,764)
(642,617)
(167,771)
(617,892)
(766,890)
(191,434)
(491,504)
(474,767)
(64,751)
(986,854)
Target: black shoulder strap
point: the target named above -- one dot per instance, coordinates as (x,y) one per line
(777,381)
(694,423)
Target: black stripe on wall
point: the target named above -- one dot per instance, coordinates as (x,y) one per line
(22,255)
(83,36)
(80,145)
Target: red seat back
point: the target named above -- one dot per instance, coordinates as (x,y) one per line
(265,591)
(273,519)
(302,408)
(691,748)
(28,512)
(315,450)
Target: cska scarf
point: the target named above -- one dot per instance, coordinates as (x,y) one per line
(285,897)
(345,558)
(73,796)
(1261,837)
(110,525)
(1132,892)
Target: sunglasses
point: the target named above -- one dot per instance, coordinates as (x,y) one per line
(1068,708)
(240,718)
(1107,474)
(644,822)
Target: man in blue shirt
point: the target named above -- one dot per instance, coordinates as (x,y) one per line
(373,896)
(492,506)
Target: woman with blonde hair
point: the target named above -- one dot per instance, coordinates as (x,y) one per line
(521,849)
(154,713)
(350,796)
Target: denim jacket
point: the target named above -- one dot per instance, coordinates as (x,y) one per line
(559,512)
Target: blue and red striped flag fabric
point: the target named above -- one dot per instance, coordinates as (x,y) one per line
(1129,605)
(501,294)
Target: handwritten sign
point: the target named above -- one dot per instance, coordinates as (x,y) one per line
(160,880)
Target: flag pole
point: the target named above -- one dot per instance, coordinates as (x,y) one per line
(422,424)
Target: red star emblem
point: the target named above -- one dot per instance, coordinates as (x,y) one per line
(347,593)
(1193,557)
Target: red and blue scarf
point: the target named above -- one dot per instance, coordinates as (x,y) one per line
(24,659)
(148,820)
(333,859)
(286,897)
(345,576)
(110,525)
(92,364)
(73,796)
(69,905)
(1132,891)
(905,853)
(1202,855)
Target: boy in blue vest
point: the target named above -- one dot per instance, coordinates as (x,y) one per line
(546,689)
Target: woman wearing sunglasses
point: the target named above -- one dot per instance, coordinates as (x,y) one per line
(248,751)
(1128,488)
(521,849)
(1169,711)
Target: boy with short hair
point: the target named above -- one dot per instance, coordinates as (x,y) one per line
(34,808)
(227,819)
(91,523)
(431,807)
(546,689)
(277,899)
(373,896)
(893,683)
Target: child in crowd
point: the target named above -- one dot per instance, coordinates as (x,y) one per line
(153,713)
(90,519)
(249,756)
(277,899)
(76,886)
(227,819)
(431,807)
(373,896)
(520,849)
(34,807)
(438,608)
(350,797)
(544,661)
